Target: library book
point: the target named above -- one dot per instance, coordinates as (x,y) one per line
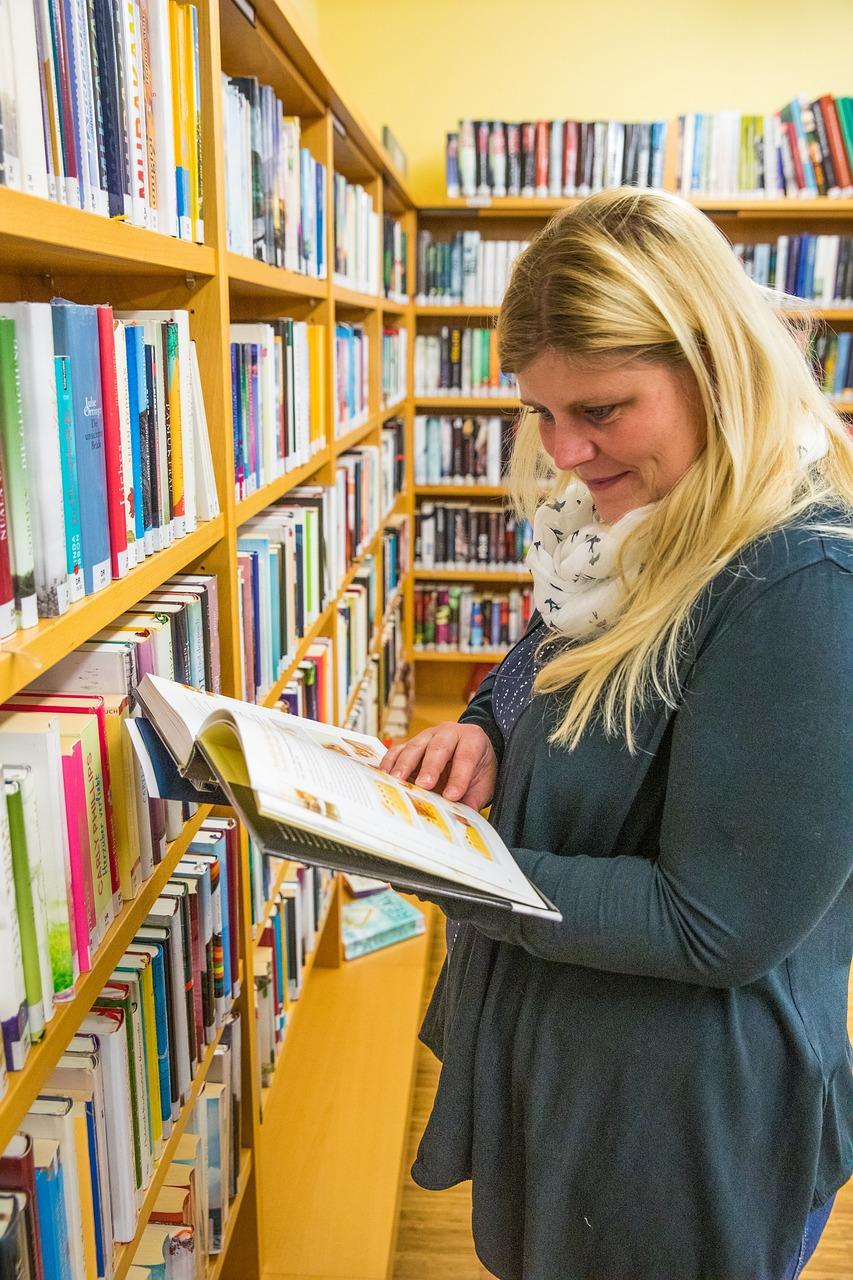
(316,794)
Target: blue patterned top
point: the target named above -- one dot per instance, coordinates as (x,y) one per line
(513,686)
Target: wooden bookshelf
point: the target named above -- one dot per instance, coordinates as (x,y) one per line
(456,655)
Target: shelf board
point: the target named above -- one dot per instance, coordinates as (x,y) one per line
(456,655)
(451,309)
(354,435)
(471,404)
(264,497)
(39,236)
(747,206)
(216,1262)
(474,490)
(249,278)
(24,1086)
(393,307)
(344,297)
(29,653)
(344,1106)
(124,1253)
(471,574)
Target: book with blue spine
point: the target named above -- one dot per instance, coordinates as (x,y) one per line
(155,952)
(75,334)
(50,1200)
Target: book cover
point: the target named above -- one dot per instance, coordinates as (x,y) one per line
(14,1013)
(18,1173)
(29,899)
(113,462)
(50,1200)
(378,921)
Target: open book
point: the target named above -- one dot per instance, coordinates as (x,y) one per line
(315,793)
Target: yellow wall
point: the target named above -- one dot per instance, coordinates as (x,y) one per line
(418,65)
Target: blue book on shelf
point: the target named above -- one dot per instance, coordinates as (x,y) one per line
(134,342)
(161,1020)
(842,359)
(237,415)
(219,848)
(53,1224)
(102,1244)
(377,921)
(75,333)
(70,486)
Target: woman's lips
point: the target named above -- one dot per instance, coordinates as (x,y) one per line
(605,482)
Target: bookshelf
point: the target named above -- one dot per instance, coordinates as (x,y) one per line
(324,1142)
(47,249)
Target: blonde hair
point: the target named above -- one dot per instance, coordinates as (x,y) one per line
(645,275)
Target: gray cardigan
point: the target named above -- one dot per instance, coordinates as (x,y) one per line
(659,1087)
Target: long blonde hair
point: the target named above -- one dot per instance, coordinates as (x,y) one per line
(646,275)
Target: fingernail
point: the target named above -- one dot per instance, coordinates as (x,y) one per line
(396,773)
(425,779)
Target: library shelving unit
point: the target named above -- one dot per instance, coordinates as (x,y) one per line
(444,678)
(321,1163)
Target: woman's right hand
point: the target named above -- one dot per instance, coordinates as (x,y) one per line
(457,760)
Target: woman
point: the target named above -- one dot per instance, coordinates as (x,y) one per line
(659,1087)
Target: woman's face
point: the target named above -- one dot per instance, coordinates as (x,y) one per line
(629,430)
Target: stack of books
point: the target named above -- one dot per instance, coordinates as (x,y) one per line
(460,618)
(393,461)
(288,937)
(542,158)
(101,109)
(80,832)
(352,364)
(394,365)
(456,535)
(354,630)
(278,398)
(275,191)
(356,237)
(466,270)
(461,450)
(395,260)
(805,149)
(285,558)
(460,362)
(87,1148)
(102,413)
(817,268)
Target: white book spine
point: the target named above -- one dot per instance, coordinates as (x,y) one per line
(85,104)
(116,1077)
(9,100)
(35,858)
(164,143)
(134,119)
(555,165)
(28,91)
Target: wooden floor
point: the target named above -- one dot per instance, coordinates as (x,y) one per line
(434,1240)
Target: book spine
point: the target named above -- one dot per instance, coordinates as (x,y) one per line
(16,477)
(114,470)
(82,890)
(7,592)
(24,907)
(14,1019)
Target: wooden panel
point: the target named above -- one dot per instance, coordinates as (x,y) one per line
(332,1139)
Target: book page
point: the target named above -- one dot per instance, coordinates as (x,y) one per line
(321,788)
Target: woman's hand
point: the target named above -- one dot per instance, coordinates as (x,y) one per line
(457,760)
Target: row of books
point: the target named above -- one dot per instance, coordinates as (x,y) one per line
(804,149)
(287,939)
(357,237)
(395,559)
(832,356)
(187,1222)
(542,158)
(460,362)
(457,450)
(79,827)
(395,362)
(393,450)
(378,677)
(352,366)
(463,618)
(354,614)
(465,270)
(101,412)
(100,107)
(398,704)
(275,191)
(278,399)
(453,535)
(90,1142)
(817,268)
(395,259)
(309,691)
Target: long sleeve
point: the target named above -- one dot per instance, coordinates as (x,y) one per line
(479,711)
(757,828)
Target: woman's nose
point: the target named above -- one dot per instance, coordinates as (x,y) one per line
(571,448)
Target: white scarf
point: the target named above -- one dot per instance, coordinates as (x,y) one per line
(575,557)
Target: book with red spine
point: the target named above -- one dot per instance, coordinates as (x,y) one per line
(790,131)
(116,508)
(570,157)
(835,141)
(18,1173)
(543,151)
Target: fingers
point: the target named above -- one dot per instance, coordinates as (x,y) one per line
(403,760)
(440,751)
(470,756)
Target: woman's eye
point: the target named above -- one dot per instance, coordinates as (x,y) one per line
(599,412)
(545,416)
